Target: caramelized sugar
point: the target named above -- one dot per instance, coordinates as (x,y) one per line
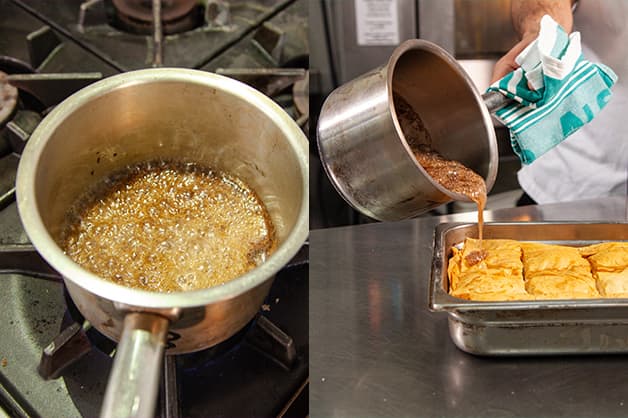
(476,256)
(167,227)
(452,175)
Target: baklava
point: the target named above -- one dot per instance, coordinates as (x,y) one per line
(557,272)
(513,270)
(499,276)
(609,264)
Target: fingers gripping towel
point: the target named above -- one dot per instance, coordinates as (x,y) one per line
(556,91)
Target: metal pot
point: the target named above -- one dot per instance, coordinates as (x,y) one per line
(151,114)
(363,149)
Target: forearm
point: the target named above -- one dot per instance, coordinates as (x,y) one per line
(526,15)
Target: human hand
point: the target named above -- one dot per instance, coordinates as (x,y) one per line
(507,64)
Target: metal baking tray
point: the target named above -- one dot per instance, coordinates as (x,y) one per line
(541,327)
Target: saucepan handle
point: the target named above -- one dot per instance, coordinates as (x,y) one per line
(134,378)
(494,100)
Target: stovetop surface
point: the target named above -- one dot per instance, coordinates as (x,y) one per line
(125,51)
(241,382)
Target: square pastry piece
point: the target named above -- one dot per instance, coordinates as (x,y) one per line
(557,272)
(498,277)
(609,263)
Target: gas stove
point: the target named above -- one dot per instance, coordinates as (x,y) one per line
(52,363)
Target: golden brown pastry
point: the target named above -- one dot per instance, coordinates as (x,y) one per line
(557,272)
(617,252)
(609,263)
(497,277)
(515,270)
(542,258)
(563,285)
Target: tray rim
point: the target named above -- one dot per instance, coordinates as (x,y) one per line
(439,300)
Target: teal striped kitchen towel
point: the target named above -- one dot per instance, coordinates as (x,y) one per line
(555,90)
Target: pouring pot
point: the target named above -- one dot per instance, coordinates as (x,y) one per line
(363,149)
(145,115)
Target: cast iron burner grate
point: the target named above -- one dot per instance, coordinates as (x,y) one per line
(78,338)
(137,16)
(254,356)
(26,98)
(63,46)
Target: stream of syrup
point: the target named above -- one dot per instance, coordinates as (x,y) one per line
(450,174)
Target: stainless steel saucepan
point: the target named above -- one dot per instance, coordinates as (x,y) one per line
(171,114)
(363,149)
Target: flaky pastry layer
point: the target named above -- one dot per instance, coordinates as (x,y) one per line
(514,270)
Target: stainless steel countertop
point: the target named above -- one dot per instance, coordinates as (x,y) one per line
(376,350)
